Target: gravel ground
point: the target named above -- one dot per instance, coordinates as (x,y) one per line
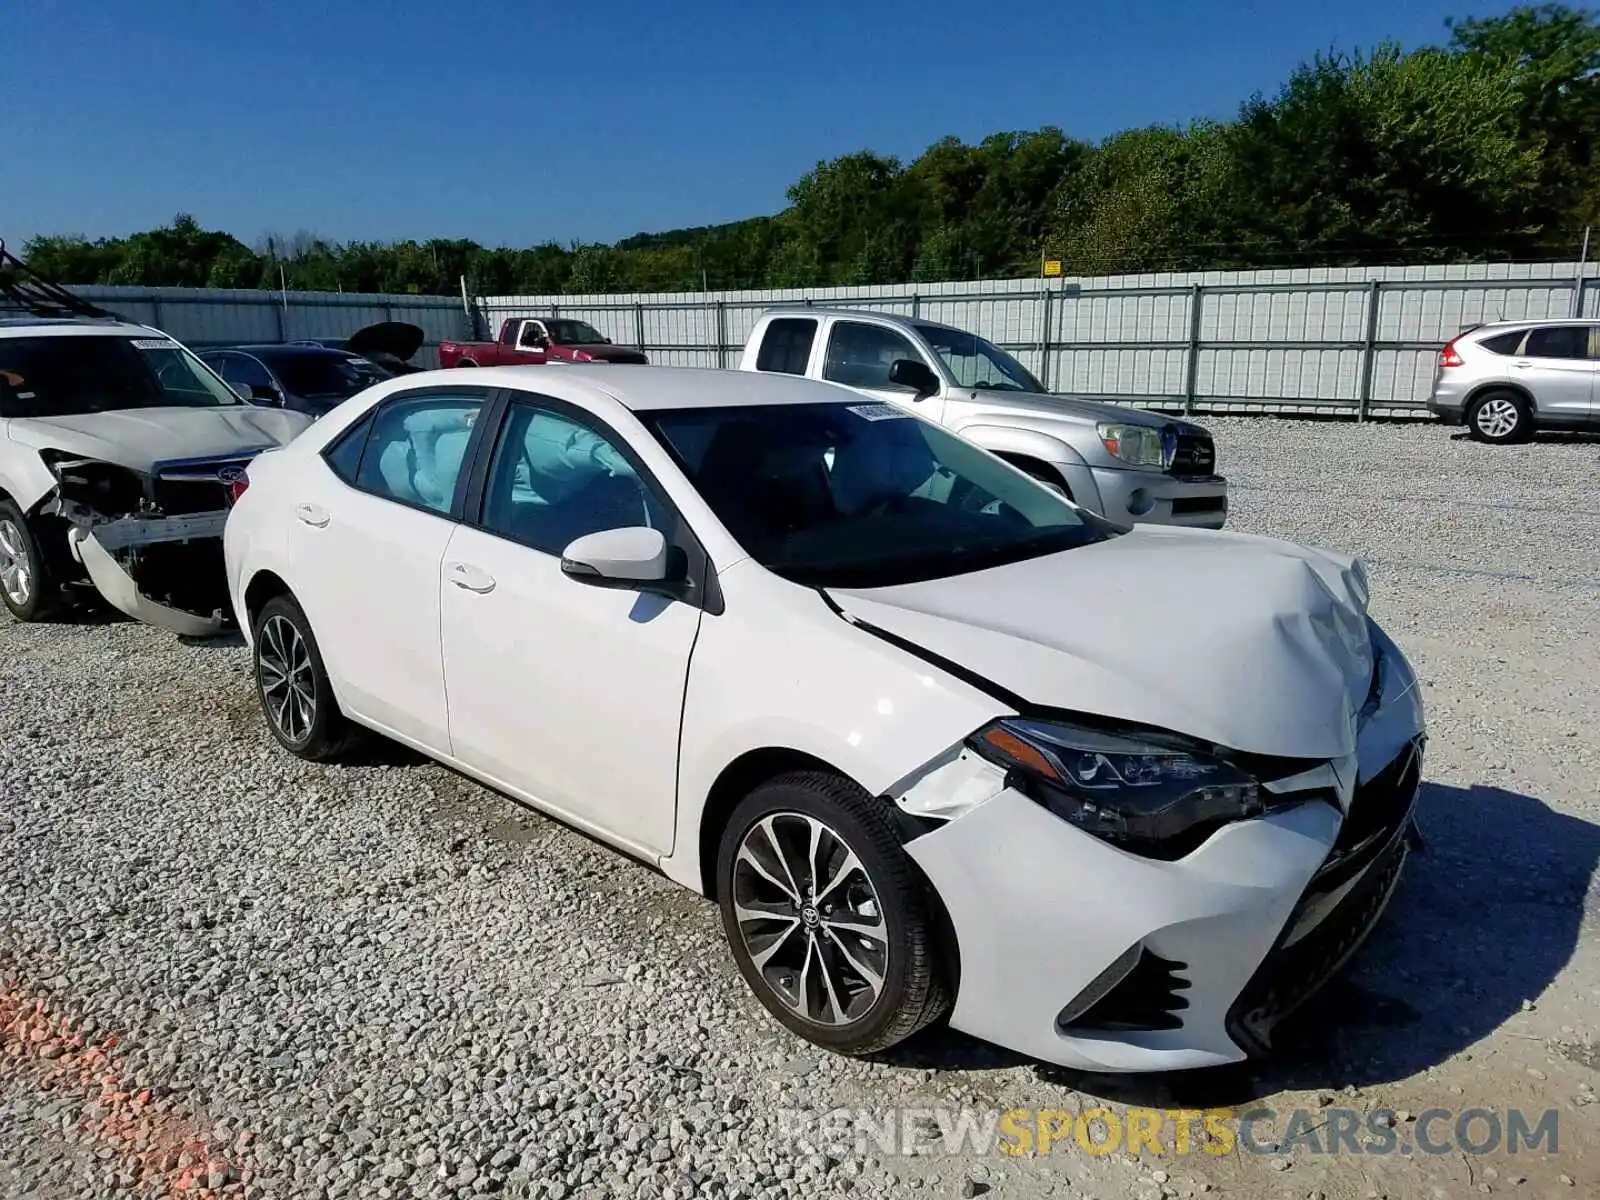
(224,971)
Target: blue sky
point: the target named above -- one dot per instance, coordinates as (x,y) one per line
(522,122)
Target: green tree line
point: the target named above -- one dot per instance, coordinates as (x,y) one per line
(1483,147)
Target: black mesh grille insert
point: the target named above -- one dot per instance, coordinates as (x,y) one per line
(1195,454)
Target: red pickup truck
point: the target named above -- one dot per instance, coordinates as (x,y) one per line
(537,340)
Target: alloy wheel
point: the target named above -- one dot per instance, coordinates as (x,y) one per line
(16,576)
(1497,418)
(810,918)
(288,685)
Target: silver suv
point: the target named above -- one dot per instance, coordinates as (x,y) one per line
(1507,379)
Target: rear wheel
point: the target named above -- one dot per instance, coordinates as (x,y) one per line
(25,584)
(830,923)
(292,684)
(1500,417)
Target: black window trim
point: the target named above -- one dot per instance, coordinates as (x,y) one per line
(469,459)
(474,486)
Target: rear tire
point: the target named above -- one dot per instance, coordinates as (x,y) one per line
(850,957)
(292,684)
(1500,418)
(26,586)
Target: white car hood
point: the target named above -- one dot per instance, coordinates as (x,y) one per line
(1254,644)
(139,438)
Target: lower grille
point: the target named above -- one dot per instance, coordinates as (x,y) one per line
(1291,975)
(1149,997)
(1189,505)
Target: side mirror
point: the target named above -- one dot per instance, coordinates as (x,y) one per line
(265,393)
(242,391)
(619,558)
(918,376)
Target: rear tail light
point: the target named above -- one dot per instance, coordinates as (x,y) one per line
(1448,356)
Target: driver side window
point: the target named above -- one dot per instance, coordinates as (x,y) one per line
(860,355)
(532,337)
(554,479)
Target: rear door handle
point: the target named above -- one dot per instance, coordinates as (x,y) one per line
(1522,364)
(312,514)
(470,578)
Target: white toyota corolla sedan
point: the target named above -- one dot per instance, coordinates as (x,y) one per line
(936,740)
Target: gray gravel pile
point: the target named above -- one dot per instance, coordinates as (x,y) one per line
(380,980)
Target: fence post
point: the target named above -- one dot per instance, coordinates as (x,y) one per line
(638,325)
(1044,336)
(722,334)
(155,310)
(1580,287)
(916,305)
(1191,381)
(277,316)
(1369,348)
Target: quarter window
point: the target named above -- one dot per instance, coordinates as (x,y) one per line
(786,346)
(1504,343)
(344,456)
(417,449)
(860,355)
(554,479)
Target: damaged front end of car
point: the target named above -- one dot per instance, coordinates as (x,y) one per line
(150,542)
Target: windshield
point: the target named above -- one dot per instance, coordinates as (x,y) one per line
(574,333)
(977,363)
(324,374)
(864,495)
(72,375)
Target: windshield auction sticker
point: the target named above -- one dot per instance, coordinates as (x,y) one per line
(879,412)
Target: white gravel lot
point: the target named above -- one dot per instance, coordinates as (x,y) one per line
(222,970)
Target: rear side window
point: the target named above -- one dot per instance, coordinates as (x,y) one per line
(1504,343)
(786,346)
(1558,341)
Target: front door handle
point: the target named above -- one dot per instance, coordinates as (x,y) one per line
(1522,364)
(470,578)
(312,514)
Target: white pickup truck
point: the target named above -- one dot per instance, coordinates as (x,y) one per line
(1125,464)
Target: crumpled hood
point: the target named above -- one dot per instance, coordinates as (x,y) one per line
(990,404)
(1254,644)
(610,353)
(141,437)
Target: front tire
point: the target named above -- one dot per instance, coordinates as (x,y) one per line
(292,684)
(1500,418)
(829,921)
(26,587)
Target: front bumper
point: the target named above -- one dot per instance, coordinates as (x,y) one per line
(1078,953)
(102,550)
(1155,498)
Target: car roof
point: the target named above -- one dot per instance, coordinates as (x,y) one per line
(1529,322)
(647,388)
(887,318)
(270,349)
(73,327)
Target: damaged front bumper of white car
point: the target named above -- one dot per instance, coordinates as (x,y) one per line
(152,545)
(1083,952)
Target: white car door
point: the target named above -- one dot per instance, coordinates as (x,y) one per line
(369,533)
(858,354)
(568,694)
(1557,367)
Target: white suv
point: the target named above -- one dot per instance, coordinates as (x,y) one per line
(119,451)
(1505,380)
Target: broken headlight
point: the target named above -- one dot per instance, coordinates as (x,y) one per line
(1140,791)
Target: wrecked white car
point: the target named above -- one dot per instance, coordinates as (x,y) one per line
(120,456)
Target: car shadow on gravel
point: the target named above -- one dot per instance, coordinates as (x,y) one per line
(1484,919)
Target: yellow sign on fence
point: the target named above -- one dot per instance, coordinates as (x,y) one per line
(1052,267)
